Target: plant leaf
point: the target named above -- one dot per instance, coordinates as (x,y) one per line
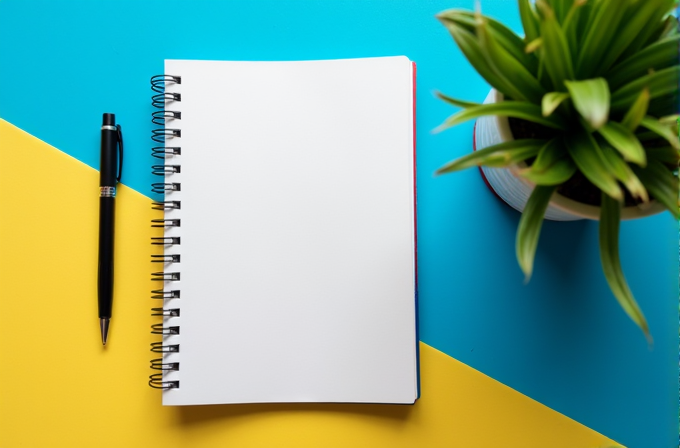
(620,169)
(502,34)
(657,56)
(670,26)
(570,27)
(666,105)
(523,81)
(550,153)
(555,55)
(534,45)
(610,220)
(455,102)
(663,82)
(552,166)
(530,228)
(516,109)
(556,174)
(551,101)
(637,111)
(638,18)
(624,140)
(591,100)
(599,34)
(664,154)
(529,20)
(499,155)
(588,157)
(469,45)
(670,120)
(663,8)
(658,128)
(561,8)
(661,183)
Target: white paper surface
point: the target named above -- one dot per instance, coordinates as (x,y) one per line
(297,232)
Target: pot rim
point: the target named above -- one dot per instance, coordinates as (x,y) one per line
(564,203)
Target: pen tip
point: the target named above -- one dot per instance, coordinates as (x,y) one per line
(104,326)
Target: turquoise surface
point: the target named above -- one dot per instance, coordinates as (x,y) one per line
(561,339)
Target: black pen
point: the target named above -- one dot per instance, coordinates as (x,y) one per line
(110,171)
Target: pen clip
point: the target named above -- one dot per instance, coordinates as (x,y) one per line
(120,153)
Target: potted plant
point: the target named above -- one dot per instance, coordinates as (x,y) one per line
(580,121)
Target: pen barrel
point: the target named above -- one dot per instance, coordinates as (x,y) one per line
(109,158)
(106,236)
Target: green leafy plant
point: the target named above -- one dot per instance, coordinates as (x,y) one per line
(600,79)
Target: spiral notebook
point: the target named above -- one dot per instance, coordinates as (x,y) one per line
(289,256)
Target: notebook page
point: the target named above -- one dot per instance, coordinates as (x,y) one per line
(297,232)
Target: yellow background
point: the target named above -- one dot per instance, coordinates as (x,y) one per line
(59,387)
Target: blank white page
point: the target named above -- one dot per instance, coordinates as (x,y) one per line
(297,232)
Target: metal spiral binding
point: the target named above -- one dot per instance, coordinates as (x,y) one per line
(166,205)
(161,152)
(158,347)
(165,223)
(169,169)
(156,381)
(160,329)
(172,312)
(165,276)
(162,170)
(172,258)
(163,294)
(158,364)
(166,240)
(163,187)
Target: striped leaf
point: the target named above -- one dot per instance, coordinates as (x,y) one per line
(663,82)
(661,183)
(556,174)
(661,130)
(552,166)
(622,171)
(591,100)
(599,34)
(550,153)
(516,109)
(551,101)
(670,120)
(529,20)
(664,154)
(570,27)
(670,27)
(534,45)
(589,159)
(499,155)
(469,45)
(639,17)
(657,56)
(561,8)
(556,54)
(637,111)
(510,41)
(506,64)
(530,228)
(585,18)
(652,32)
(624,140)
(455,102)
(666,105)
(610,220)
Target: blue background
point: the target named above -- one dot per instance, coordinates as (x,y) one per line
(561,339)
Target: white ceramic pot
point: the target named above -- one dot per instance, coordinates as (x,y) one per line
(515,190)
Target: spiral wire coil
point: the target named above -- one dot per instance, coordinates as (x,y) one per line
(170,205)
